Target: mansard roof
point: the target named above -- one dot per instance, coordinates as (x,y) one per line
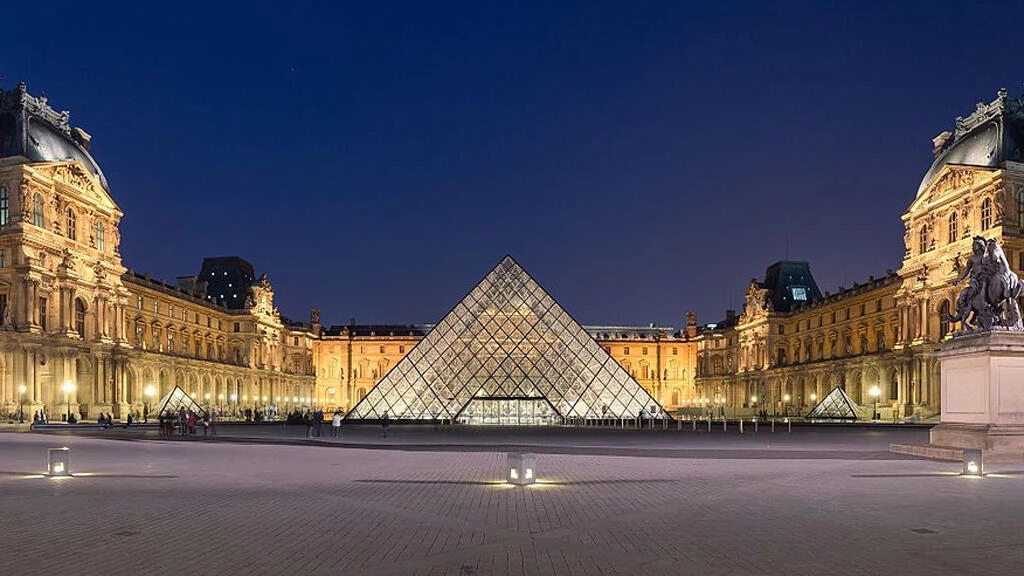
(990,136)
(29,127)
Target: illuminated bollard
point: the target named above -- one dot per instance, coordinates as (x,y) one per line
(57,461)
(522,468)
(974,462)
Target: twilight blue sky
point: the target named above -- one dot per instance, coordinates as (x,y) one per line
(640,159)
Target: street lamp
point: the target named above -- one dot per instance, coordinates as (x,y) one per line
(148,392)
(68,388)
(753,404)
(875,393)
(21,408)
(785,404)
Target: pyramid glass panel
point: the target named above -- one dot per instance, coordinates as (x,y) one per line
(177,399)
(507,354)
(836,405)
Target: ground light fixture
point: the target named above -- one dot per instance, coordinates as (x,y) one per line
(522,468)
(57,463)
(974,462)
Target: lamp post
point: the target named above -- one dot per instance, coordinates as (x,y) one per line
(785,404)
(148,392)
(875,393)
(21,407)
(68,388)
(753,404)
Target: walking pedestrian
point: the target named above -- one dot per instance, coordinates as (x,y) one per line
(336,424)
(384,425)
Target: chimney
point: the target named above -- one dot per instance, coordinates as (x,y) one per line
(691,324)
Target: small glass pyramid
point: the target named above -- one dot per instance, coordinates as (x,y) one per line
(836,405)
(507,354)
(176,399)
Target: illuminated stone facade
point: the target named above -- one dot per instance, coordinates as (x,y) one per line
(884,332)
(71,313)
(81,334)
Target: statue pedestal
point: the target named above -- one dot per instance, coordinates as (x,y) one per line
(983,394)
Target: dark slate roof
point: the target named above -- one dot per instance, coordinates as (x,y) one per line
(29,127)
(991,135)
(791,284)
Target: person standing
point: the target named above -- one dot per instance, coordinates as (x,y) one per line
(336,424)
(384,425)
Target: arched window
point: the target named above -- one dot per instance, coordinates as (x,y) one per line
(954,229)
(943,319)
(37,210)
(72,222)
(80,317)
(4,207)
(922,240)
(99,236)
(986,213)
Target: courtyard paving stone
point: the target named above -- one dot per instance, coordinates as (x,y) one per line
(259,501)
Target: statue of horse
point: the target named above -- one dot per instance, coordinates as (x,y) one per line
(1003,286)
(972,308)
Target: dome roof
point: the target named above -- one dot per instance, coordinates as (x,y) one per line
(987,138)
(29,127)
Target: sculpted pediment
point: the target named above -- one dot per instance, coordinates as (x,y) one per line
(74,174)
(951,180)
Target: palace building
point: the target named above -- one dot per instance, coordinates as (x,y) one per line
(81,333)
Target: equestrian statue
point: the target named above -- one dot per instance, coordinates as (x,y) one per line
(990,298)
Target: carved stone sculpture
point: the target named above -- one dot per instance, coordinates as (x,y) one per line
(990,298)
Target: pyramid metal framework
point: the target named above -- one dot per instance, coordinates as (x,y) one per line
(174,400)
(836,405)
(507,354)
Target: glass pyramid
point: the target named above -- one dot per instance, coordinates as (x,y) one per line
(507,354)
(174,400)
(836,405)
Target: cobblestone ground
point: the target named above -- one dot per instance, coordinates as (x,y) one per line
(799,505)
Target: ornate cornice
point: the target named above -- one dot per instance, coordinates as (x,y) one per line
(20,99)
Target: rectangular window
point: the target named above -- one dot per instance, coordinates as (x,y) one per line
(236,326)
(401,349)
(625,351)
(42,313)
(782,329)
(381,349)
(643,351)
(156,306)
(3,305)
(139,302)
(295,341)
(3,258)
(4,206)
(675,351)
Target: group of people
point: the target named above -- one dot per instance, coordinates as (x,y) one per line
(186,422)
